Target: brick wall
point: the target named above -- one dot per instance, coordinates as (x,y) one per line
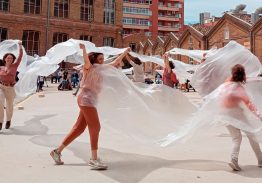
(257,45)
(16,21)
(237,33)
(196,43)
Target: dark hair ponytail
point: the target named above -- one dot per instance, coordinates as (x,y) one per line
(238,73)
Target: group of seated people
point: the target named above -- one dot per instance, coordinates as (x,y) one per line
(68,83)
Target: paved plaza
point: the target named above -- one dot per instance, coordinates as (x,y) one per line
(45,121)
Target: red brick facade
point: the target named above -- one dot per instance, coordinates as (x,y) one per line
(170,42)
(229,28)
(256,39)
(15,20)
(191,39)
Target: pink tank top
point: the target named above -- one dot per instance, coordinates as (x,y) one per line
(90,87)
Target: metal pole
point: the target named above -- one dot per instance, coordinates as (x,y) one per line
(47,25)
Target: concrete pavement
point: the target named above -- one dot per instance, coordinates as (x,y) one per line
(42,125)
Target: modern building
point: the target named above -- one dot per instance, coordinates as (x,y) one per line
(154,17)
(40,24)
(203,17)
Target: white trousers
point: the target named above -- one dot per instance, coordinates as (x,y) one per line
(7,95)
(237,139)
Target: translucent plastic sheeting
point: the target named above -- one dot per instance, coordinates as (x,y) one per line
(143,112)
(180,67)
(212,114)
(197,55)
(68,51)
(217,67)
(11,46)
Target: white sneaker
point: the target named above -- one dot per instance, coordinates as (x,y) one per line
(97,164)
(234,165)
(56,157)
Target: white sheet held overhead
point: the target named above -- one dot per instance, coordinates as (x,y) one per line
(217,67)
(197,55)
(68,51)
(11,46)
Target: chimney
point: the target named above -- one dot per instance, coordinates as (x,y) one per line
(255,16)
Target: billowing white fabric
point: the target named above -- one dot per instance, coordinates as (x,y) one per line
(197,55)
(217,67)
(181,69)
(142,112)
(68,51)
(11,46)
(213,113)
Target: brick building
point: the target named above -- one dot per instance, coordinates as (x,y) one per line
(230,27)
(256,39)
(237,27)
(171,41)
(154,17)
(40,24)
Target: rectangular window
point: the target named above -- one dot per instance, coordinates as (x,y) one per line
(59,37)
(31,41)
(133,46)
(109,11)
(109,41)
(32,6)
(86,38)
(61,8)
(87,10)
(3,34)
(4,5)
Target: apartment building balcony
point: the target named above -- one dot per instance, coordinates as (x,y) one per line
(168,18)
(178,1)
(129,15)
(136,5)
(167,8)
(168,28)
(135,26)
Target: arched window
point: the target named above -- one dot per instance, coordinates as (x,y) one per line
(87,10)
(32,6)
(61,8)
(4,5)
(109,11)
(226,33)
(59,37)
(31,41)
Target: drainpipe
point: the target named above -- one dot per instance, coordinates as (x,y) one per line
(47,26)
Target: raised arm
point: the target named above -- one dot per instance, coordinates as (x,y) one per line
(129,60)
(87,63)
(119,59)
(166,61)
(18,61)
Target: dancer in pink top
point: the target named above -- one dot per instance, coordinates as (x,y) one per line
(231,100)
(7,82)
(88,117)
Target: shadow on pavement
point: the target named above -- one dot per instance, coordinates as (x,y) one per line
(31,127)
(130,168)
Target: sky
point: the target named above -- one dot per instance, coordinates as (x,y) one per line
(215,7)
